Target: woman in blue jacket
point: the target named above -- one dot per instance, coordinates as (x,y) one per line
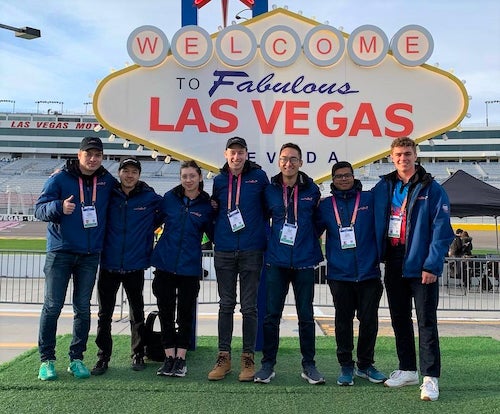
(178,260)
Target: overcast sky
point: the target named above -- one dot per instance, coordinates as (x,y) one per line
(83,40)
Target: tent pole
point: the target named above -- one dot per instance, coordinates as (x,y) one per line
(496,225)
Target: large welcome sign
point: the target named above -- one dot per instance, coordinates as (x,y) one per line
(276,78)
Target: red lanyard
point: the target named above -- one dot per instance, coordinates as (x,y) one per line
(295,192)
(94,191)
(354,213)
(230,191)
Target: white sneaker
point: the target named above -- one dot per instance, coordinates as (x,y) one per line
(400,378)
(429,390)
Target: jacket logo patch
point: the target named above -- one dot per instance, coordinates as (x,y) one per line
(195,213)
(251,181)
(306,199)
(140,208)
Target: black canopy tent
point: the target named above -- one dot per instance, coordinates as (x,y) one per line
(470,196)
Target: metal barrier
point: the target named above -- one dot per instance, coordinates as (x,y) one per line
(470,284)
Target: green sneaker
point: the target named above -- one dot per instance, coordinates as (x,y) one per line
(47,371)
(78,369)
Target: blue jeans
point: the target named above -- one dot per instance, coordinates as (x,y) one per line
(59,266)
(277,283)
(228,265)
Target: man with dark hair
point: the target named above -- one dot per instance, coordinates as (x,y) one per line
(127,250)
(240,240)
(353,273)
(414,232)
(74,202)
(292,253)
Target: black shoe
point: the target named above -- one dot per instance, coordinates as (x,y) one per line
(179,369)
(100,367)
(138,363)
(166,368)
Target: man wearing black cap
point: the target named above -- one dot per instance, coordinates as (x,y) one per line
(353,272)
(240,240)
(74,203)
(128,244)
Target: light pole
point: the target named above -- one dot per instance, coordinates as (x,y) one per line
(86,106)
(486,103)
(10,101)
(23,32)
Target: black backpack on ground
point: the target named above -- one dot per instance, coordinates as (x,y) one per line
(153,349)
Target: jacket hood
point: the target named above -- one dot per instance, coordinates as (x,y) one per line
(420,176)
(303,179)
(358,186)
(73,167)
(249,165)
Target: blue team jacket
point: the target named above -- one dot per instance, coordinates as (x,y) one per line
(66,233)
(179,248)
(129,236)
(306,252)
(253,236)
(428,229)
(354,264)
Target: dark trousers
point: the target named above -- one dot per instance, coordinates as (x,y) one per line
(400,292)
(361,299)
(107,288)
(278,280)
(181,292)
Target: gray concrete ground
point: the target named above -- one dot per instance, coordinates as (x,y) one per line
(19,323)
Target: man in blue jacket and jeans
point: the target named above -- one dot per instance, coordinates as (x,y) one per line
(414,232)
(292,253)
(128,244)
(353,273)
(74,202)
(240,240)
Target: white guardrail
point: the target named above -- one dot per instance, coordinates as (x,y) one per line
(470,284)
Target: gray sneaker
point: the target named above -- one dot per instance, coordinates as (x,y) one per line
(312,375)
(264,375)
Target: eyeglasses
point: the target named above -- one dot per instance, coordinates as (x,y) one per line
(293,160)
(343,176)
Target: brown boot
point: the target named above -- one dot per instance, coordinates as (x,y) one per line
(247,367)
(222,367)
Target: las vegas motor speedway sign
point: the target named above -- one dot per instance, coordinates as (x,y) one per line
(277,78)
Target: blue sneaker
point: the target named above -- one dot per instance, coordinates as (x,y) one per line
(346,376)
(372,374)
(264,375)
(312,375)
(78,369)
(47,371)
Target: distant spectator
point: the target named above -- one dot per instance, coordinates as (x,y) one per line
(466,244)
(456,245)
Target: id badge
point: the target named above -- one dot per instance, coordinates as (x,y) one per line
(347,237)
(236,220)
(394,227)
(89,217)
(288,234)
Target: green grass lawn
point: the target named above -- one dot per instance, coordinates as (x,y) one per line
(23,244)
(470,383)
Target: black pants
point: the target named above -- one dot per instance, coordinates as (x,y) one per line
(360,299)
(400,292)
(107,288)
(171,290)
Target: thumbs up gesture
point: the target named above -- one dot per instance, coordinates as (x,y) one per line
(68,205)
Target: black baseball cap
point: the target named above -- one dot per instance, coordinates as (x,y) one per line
(91,143)
(134,162)
(236,141)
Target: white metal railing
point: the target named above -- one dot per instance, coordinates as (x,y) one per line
(467,283)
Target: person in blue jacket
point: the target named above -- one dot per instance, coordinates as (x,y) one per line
(74,202)
(132,219)
(292,253)
(414,233)
(177,257)
(240,241)
(353,271)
